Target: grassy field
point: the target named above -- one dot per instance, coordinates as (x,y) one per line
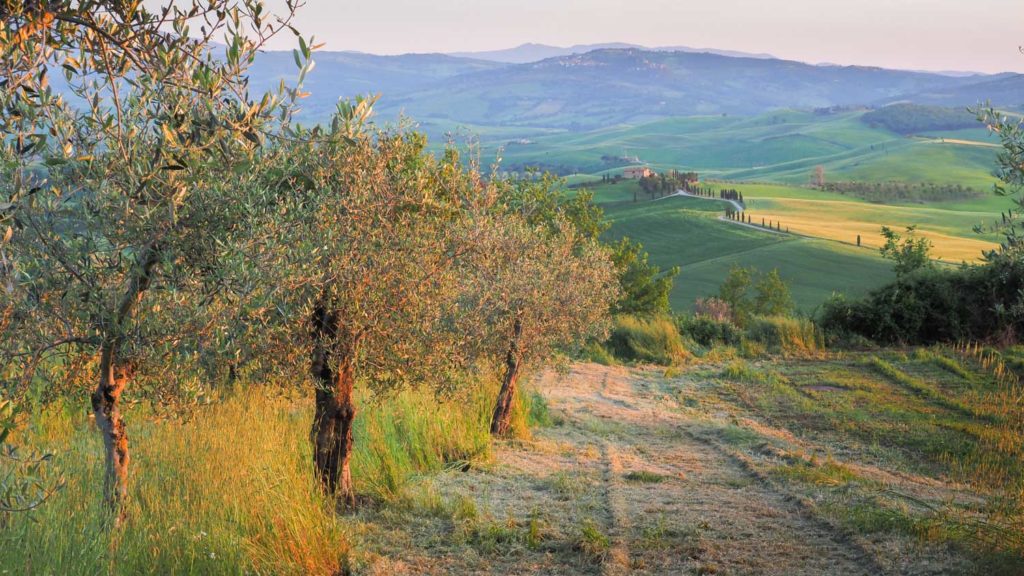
(889,462)
(686,232)
(842,218)
(782,146)
(781,149)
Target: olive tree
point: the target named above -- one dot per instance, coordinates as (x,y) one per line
(1010,170)
(368,248)
(542,284)
(118,191)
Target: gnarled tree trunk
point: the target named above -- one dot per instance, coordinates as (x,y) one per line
(335,409)
(106,406)
(501,422)
(114,376)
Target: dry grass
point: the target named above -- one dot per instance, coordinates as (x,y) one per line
(843,221)
(230,490)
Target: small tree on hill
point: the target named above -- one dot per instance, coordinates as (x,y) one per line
(908,252)
(818,177)
(773,296)
(644,288)
(539,290)
(735,292)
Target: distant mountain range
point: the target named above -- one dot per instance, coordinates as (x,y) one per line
(607,86)
(526,53)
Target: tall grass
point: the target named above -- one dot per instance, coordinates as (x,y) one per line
(786,335)
(654,340)
(230,490)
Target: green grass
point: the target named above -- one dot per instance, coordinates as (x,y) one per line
(828,473)
(685,232)
(917,385)
(782,146)
(592,541)
(644,477)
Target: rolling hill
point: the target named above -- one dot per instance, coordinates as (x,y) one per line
(685,232)
(608,87)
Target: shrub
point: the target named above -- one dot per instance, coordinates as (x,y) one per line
(929,306)
(748,292)
(785,335)
(773,296)
(708,331)
(713,308)
(646,340)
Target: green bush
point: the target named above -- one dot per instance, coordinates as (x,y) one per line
(707,331)
(930,306)
(786,335)
(654,340)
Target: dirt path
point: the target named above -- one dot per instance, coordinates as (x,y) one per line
(708,513)
(624,485)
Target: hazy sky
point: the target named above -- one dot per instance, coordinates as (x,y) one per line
(981,35)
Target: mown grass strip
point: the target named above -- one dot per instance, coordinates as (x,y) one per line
(920,387)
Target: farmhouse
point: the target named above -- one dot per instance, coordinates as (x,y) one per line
(637,172)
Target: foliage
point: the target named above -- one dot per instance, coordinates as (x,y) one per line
(119,199)
(653,340)
(543,202)
(556,284)
(1010,160)
(937,305)
(908,118)
(908,253)
(713,308)
(735,291)
(708,331)
(773,297)
(373,230)
(768,296)
(644,287)
(904,192)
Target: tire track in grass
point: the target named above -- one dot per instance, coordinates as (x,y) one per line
(717,515)
(617,561)
(803,506)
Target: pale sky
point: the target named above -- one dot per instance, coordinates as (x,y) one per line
(982,35)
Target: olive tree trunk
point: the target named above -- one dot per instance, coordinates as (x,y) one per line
(106,406)
(114,376)
(501,422)
(335,410)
